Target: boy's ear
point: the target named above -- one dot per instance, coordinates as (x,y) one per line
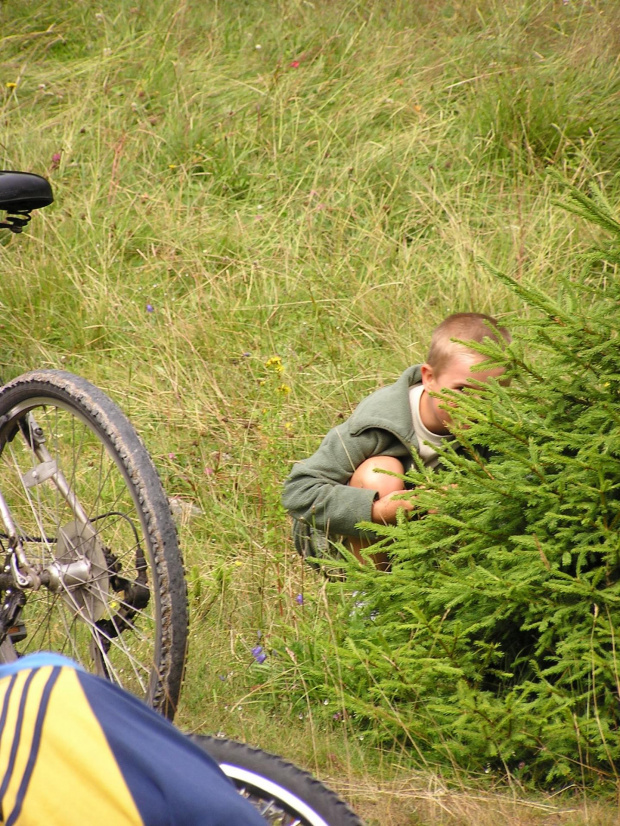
(427,376)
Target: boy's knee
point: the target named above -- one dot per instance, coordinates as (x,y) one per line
(366,475)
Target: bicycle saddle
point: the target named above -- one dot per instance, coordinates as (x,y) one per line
(20,193)
(23,191)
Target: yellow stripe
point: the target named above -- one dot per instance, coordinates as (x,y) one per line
(9,733)
(76,779)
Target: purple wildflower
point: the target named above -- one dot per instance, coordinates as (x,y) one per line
(299,599)
(258,654)
(150,308)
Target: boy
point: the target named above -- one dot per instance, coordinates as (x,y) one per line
(338,486)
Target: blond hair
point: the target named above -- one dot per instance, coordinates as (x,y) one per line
(466,327)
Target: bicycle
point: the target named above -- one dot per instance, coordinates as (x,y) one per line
(92,566)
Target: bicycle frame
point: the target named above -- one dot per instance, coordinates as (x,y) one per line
(20,194)
(46,469)
(19,574)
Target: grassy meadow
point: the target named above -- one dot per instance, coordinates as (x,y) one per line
(262,210)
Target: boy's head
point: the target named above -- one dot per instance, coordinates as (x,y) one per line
(449,364)
(466,327)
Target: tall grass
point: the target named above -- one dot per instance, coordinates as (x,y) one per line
(310,180)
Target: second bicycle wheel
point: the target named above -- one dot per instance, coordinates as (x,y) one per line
(283,794)
(84,498)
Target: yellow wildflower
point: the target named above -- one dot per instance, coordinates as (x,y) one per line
(275,363)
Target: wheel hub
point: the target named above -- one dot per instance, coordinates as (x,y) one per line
(81,571)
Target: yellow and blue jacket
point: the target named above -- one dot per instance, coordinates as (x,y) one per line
(76,749)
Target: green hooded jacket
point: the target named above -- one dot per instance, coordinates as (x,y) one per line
(317,493)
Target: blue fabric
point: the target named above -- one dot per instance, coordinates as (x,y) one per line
(164,770)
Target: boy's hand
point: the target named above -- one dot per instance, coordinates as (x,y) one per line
(384,510)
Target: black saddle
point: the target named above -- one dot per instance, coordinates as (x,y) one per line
(20,193)
(23,191)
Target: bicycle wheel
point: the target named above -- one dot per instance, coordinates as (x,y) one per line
(95,525)
(283,794)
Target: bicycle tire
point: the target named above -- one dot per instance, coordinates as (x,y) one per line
(126,618)
(284,794)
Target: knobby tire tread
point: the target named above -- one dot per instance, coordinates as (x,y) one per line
(312,791)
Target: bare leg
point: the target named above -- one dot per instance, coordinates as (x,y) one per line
(366,476)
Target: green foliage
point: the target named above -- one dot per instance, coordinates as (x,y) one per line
(493,640)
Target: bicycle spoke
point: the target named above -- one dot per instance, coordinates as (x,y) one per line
(95,482)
